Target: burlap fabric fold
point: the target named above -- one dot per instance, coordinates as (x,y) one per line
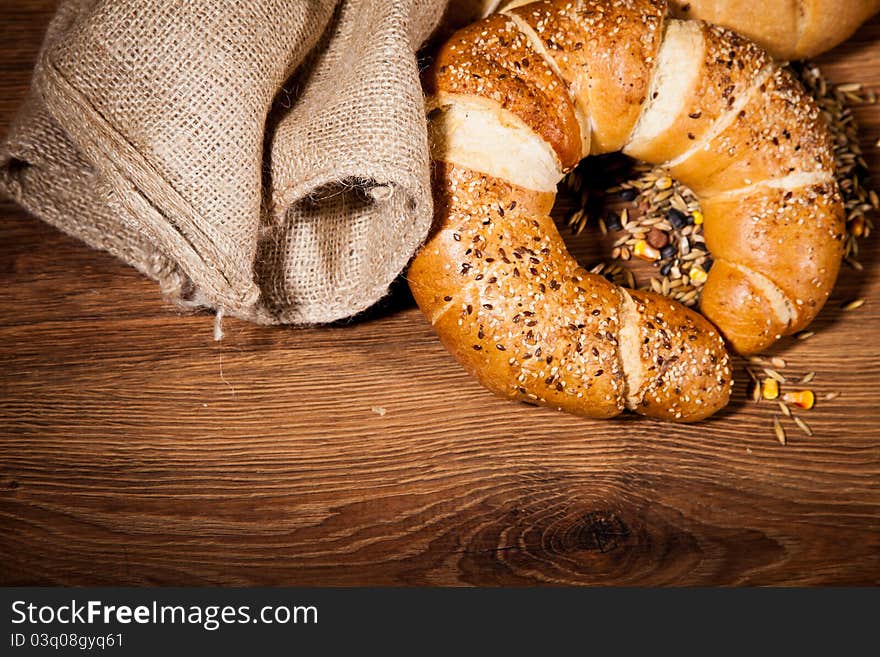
(266,158)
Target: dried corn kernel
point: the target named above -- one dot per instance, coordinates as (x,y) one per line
(802,398)
(770,389)
(698,217)
(857,226)
(697,275)
(645,251)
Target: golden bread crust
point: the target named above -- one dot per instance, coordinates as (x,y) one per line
(794,237)
(777,133)
(516,310)
(684,361)
(733,298)
(787,29)
(605,52)
(493,59)
(729,66)
(495,278)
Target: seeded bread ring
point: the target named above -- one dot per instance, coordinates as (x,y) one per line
(518,99)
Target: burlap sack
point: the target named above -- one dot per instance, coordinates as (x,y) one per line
(266,158)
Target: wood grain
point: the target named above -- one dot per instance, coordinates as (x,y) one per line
(135,450)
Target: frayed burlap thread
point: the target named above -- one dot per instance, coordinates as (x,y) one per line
(265,158)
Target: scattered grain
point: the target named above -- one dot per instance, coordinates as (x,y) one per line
(802,398)
(803,426)
(778,430)
(778,363)
(773,374)
(770,389)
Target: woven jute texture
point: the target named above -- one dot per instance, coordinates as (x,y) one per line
(265,158)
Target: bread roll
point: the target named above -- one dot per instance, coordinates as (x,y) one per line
(788,29)
(515,101)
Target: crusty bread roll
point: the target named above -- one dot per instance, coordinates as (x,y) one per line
(788,29)
(515,101)
(515,309)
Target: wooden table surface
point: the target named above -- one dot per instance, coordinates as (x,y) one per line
(136,450)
